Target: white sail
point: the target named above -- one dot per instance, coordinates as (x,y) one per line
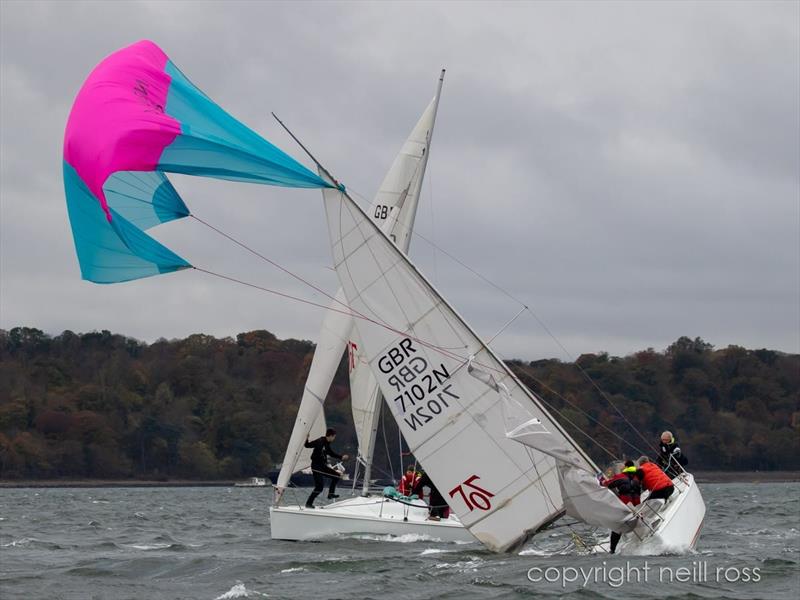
(393,209)
(310,421)
(418,348)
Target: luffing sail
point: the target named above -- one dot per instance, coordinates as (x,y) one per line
(583,496)
(135,118)
(393,209)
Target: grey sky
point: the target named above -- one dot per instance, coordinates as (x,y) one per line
(629,170)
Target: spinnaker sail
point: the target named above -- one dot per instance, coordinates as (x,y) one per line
(135,118)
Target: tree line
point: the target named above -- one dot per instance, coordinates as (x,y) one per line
(103,405)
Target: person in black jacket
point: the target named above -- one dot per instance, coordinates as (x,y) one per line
(320,467)
(670,457)
(438,506)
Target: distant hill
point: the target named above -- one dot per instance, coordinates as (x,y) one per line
(102,405)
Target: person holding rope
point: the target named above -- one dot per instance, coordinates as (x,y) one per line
(670,457)
(320,468)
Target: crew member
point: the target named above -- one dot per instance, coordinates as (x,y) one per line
(320,467)
(627,487)
(408,482)
(670,457)
(438,506)
(654,479)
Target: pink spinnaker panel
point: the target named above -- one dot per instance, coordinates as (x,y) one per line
(118,121)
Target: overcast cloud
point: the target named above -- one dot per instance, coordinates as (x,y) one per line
(629,170)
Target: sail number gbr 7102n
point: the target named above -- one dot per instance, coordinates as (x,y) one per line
(420,390)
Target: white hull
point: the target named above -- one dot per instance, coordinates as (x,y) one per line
(674,528)
(370,515)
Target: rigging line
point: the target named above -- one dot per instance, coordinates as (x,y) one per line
(446,353)
(270,291)
(597,387)
(349,311)
(586,414)
(504,327)
(272,262)
(544,327)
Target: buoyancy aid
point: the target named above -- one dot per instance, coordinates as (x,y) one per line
(653,478)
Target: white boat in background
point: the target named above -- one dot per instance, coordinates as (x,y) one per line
(375,515)
(254,482)
(393,210)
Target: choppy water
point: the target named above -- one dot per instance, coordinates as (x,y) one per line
(214,543)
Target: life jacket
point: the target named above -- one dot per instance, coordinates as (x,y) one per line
(408,483)
(653,478)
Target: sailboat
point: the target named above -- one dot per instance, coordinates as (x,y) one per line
(505,465)
(504,487)
(393,210)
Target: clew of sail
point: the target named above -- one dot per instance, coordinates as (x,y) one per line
(418,347)
(393,209)
(583,496)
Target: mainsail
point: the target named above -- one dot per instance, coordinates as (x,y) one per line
(393,210)
(418,348)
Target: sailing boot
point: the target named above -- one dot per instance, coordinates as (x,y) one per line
(311,498)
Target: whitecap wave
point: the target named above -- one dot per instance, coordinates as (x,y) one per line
(294,570)
(240,591)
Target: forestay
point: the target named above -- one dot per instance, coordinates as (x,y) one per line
(418,348)
(393,209)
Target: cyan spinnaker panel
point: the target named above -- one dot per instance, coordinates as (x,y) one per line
(145,198)
(105,255)
(135,118)
(214,144)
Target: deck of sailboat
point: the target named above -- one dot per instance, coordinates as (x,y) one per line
(363,515)
(675,527)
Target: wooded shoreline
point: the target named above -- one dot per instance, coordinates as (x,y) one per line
(700,476)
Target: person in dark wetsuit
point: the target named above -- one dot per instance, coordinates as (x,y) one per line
(320,467)
(438,506)
(628,488)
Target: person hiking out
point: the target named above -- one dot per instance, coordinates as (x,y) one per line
(320,468)
(654,479)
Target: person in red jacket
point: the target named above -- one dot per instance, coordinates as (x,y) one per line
(408,482)
(654,479)
(627,487)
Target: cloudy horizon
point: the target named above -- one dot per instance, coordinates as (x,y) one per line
(629,171)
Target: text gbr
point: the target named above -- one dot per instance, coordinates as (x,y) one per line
(421,391)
